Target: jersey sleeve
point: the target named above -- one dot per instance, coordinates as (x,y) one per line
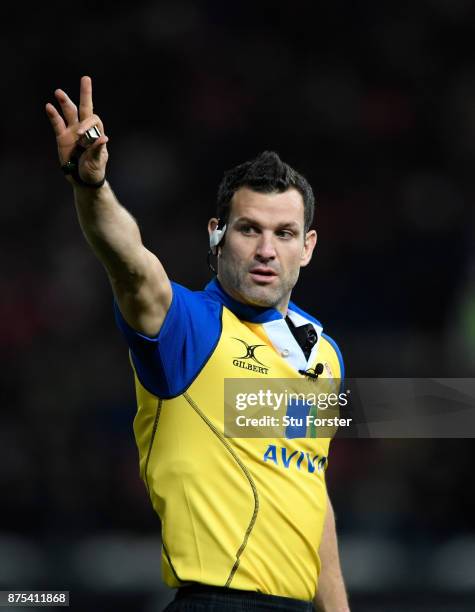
(168,363)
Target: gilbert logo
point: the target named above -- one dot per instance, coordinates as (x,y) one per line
(245,361)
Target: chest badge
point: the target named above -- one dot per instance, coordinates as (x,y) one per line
(249,358)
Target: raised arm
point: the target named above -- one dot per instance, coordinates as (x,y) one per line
(138,279)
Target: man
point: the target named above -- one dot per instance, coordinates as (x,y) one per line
(244,525)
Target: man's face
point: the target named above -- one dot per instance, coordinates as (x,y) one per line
(264,247)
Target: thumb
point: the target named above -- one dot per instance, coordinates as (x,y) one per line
(96,150)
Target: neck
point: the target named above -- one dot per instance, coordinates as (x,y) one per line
(282,306)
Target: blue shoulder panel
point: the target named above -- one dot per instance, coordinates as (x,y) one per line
(338,353)
(167,364)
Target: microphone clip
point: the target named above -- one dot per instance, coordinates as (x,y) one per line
(313,373)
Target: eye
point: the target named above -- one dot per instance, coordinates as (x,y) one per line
(286,234)
(247,230)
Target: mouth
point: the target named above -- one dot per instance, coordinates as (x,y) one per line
(262,274)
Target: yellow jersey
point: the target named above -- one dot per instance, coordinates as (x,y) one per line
(246,513)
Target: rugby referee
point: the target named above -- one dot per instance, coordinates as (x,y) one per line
(246,522)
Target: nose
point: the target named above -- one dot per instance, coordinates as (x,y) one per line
(265,249)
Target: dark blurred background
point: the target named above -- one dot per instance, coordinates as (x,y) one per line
(375,103)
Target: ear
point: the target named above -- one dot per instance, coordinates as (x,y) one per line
(310,242)
(212,225)
(216,233)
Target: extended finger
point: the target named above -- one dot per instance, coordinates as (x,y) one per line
(55,119)
(85,98)
(68,107)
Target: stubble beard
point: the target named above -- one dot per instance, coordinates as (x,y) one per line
(237,282)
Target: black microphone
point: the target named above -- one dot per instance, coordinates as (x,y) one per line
(315,373)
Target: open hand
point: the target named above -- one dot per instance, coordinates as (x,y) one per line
(70,130)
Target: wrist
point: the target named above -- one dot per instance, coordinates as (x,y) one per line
(86,188)
(71,170)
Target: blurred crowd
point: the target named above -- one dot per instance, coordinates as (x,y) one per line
(373,102)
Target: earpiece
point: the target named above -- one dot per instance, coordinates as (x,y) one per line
(216,236)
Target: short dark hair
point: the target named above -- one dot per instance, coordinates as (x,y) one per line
(265,173)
